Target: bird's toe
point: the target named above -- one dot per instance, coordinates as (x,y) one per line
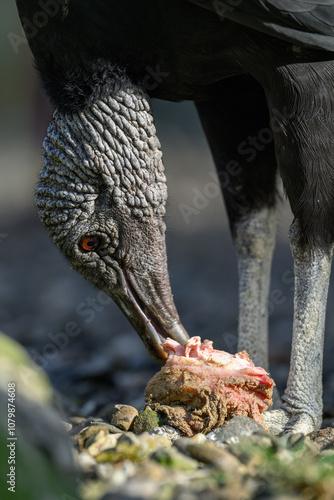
(276,420)
(281,421)
(302,423)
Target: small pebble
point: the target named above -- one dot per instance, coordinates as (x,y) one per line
(205,452)
(104,471)
(199,438)
(324,437)
(171,457)
(233,430)
(95,438)
(183,443)
(167,431)
(92,430)
(77,429)
(103,442)
(132,447)
(124,416)
(128,438)
(86,462)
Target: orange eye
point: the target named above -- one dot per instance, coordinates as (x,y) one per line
(90,243)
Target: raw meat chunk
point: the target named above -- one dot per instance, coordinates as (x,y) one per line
(200,387)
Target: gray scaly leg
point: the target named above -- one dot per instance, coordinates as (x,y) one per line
(302,401)
(254,238)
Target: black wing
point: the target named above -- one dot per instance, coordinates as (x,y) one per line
(305,22)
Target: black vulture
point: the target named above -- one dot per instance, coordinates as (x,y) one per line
(261,75)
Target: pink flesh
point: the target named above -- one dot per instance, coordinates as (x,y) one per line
(212,364)
(226,384)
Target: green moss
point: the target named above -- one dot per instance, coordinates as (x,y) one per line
(146,421)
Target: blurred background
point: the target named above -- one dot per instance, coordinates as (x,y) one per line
(41,299)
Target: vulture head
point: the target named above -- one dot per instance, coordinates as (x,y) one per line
(101,195)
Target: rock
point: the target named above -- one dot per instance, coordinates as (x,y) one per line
(136,489)
(102,442)
(231,431)
(198,438)
(92,422)
(145,421)
(89,435)
(86,462)
(151,470)
(129,438)
(171,457)
(167,431)
(124,416)
(206,452)
(183,443)
(327,452)
(324,438)
(104,471)
(132,447)
(92,430)
(227,463)
(95,438)
(110,441)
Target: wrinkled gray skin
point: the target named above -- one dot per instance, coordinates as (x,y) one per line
(103,176)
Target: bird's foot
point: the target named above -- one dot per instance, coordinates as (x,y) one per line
(281,421)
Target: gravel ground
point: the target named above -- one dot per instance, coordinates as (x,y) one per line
(122,454)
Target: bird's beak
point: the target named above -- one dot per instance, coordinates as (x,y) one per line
(150,308)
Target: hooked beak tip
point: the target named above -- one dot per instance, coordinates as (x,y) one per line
(150,326)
